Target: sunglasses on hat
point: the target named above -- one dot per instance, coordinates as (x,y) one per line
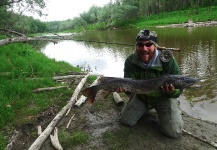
(140,44)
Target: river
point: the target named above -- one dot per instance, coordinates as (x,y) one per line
(197,58)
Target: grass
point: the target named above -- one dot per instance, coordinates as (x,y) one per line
(23,69)
(118,139)
(175,17)
(69,140)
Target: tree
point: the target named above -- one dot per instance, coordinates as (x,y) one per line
(122,13)
(91,16)
(11,15)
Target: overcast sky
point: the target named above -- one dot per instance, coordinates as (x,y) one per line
(67,9)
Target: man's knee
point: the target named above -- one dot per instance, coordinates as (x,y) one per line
(127,122)
(173,131)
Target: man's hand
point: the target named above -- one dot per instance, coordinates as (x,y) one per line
(168,88)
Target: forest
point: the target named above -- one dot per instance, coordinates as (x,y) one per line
(115,14)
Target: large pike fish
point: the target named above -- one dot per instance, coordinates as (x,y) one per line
(138,86)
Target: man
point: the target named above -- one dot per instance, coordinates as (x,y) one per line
(146,63)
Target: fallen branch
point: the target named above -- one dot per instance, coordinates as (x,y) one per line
(117,98)
(68,77)
(43,136)
(214,144)
(39,130)
(55,141)
(24,39)
(83,98)
(70,121)
(49,88)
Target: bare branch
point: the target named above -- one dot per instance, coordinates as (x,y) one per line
(8,31)
(49,88)
(55,141)
(43,136)
(24,39)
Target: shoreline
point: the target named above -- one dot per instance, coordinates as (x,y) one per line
(190,23)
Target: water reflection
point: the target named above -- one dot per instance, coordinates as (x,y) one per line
(94,57)
(198,58)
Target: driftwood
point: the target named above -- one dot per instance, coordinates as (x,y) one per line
(214,144)
(83,98)
(24,39)
(39,130)
(49,88)
(71,73)
(16,37)
(68,77)
(72,118)
(55,141)
(44,135)
(117,98)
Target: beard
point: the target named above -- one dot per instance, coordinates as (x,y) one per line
(145,56)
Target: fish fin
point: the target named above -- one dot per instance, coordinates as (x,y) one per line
(101,79)
(106,93)
(90,94)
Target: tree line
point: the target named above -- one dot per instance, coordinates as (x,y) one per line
(114,14)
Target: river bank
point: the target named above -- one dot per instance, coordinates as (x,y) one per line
(190,23)
(97,127)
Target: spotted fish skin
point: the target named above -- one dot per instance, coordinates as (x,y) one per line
(138,86)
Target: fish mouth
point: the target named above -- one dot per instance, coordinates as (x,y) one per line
(193,81)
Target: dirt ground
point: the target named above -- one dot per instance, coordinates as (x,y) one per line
(99,122)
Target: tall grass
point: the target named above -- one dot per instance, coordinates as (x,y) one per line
(165,18)
(23,69)
(176,17)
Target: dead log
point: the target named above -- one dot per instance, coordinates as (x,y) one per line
(44,135)
(39,130)
(24,39)
(83,98)
(55,141)
(71,73)
(68,77)
(70,120)
(119,101)
(49,88)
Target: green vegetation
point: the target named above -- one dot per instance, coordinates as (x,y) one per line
(23,69)
(177,17)
(116,14)
(69,140)
(118,139)
(161,18)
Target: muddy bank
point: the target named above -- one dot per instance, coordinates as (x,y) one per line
(190,23)
(102,131)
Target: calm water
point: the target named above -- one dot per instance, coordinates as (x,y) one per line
(198,58)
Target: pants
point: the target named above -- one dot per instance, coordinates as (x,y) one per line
(169,114)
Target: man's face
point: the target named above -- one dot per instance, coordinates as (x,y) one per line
(145,50)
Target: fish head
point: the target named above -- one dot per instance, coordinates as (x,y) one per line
(183,81)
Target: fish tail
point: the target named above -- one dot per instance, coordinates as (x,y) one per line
(90,94)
